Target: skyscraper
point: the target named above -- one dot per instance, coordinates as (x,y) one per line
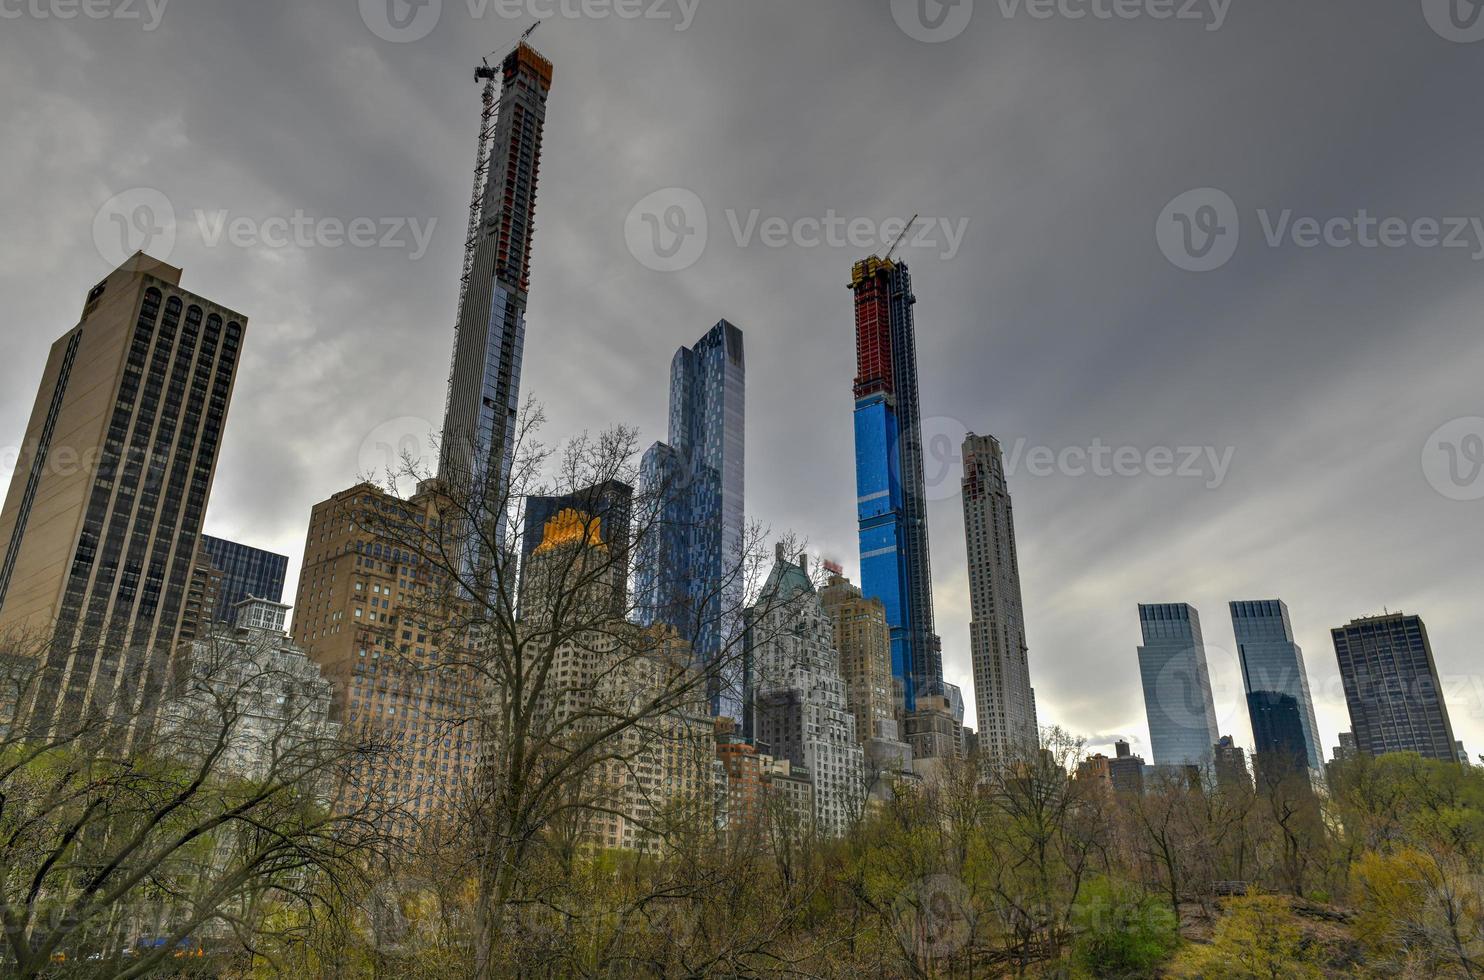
(1392,687)
(690,565)
(484,381)
(1002,681)
(103,519)
(890,501)
(1177,685)
(399,678)
(610,503)
(246,573)
(1272,671)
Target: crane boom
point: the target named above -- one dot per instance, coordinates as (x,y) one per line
(897,244)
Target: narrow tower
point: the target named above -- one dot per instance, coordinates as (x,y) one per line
(1002,679)
(891,503)
(484,382)
(690,570)
(1177,685)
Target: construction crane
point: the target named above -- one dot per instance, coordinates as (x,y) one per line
(898,243)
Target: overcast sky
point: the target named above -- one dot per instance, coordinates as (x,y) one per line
(1063,303)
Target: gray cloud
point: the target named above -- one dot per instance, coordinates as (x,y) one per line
(1059,321)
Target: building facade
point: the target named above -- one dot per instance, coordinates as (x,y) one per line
(689,573)
(660,766)
(249,685)
(1125,769)
(1231,765)
(864,642)
(933,733)
(610,503)
(1003,698)
(479,422)
(362,594)
(891,502)
(1392,687)
(246,572)
(762,797)
(1277,685)
(1177,685)
(102,523)
(797,697)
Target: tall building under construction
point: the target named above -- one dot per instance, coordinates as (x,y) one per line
(891,502)
(484,382)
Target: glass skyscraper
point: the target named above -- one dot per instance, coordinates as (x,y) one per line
(1277,685)
(690,561)
(246,572)
(1177,685)
(1392,687)
(891,504)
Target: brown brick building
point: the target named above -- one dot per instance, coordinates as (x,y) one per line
(361,614)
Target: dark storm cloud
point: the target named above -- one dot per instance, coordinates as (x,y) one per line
(1053,145)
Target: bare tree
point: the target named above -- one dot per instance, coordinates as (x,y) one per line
(218,817)
(586,680)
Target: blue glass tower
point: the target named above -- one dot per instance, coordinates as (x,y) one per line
(245,572)
(1177,685)
(891,505)
(1277,685)
(690,558)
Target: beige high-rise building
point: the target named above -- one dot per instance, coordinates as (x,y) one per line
(361,615)
(1003,696)
(101,523)
(660,766)
(864,640)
